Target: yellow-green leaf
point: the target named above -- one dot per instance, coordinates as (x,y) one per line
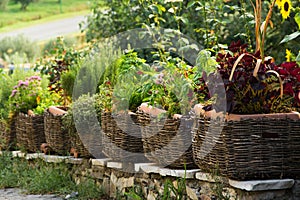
(297,19)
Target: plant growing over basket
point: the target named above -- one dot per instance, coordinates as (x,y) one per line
(171,87)
(7,82)
(129,77)
(31,94)
(119,81)
(253,82)
(167,84)
(255,87)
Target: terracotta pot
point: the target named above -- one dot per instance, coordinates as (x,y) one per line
(56,110)
(146,108)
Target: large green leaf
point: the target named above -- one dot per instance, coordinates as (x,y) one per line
(290,37)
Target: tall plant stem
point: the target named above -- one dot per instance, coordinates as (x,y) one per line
(246,24)
(257,13)
(265,28)
(261,34)
(206,25)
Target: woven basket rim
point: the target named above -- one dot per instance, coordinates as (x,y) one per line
(294,115)
(238,117)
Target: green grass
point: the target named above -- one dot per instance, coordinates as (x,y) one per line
(39,177)
(40,11)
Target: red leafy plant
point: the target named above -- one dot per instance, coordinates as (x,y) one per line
(254,85)
(290,74)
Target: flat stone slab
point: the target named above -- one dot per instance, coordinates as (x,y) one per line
(74,161)
(34,156)
(180,173)
(150,169)
(203,176)
(100,162)
(18,154)
(55,159)
(115,165)
(138,166)
(262,185)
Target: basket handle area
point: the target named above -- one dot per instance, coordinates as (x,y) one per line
(280,81)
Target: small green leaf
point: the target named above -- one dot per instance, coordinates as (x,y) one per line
(171,10)
(223,46)
(190,4)
(161,9)
(297,19)
(290,37)
(298,57)
(151,16)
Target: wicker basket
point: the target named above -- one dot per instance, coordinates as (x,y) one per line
(294,149)
(57,136)
(248,148)
(8,134)
(78,149)
(30,132)
(165,140)
(121,137)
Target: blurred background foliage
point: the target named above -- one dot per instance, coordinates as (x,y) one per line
(214,24)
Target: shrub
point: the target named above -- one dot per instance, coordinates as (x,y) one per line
(3,4)
(61,60)
(51,45)
(31,94)
(6,84)
(96,68)
(24,3)
(210,23)
(11,45)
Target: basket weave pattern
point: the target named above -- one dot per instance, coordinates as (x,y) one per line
(122,138)
(8,134)
(86,137)
(77,144)
(248,149)
(57,136)
(30,132)
(161,134)
(294,149)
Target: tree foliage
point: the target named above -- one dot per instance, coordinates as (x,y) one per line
(210,23)
(24,3)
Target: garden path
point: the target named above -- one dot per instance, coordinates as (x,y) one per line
(49,30)
(16,194)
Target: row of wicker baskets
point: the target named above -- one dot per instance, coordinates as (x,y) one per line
(241,148)
(238,147)
(30,133)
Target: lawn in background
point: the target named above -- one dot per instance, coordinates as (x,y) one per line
(40,10)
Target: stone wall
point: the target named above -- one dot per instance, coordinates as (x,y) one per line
(148,180)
